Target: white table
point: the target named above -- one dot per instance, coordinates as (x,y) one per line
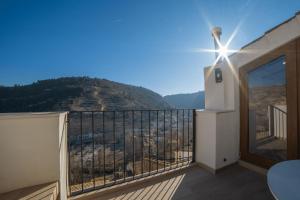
(284,180)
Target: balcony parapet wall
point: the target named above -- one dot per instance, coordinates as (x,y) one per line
(33,150)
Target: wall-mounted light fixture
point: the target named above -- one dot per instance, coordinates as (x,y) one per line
(218,75)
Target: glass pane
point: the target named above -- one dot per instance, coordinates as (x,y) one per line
(268,110)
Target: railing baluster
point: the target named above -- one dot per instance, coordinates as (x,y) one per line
(164,139)
(93,160)
(149,143)
(171,139)
(157,140)
(114,132)
(103,134)
(281,124)
(100,165)
(194,135)
(81,154)
(278,122)
(188,136)
(177,138)
(142,145)
(133,141)
(124,164)
(182,157)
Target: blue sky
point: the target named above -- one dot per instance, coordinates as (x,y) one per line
(144,43)
(270,74)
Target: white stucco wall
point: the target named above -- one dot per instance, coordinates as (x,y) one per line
(63,156)
(32,150)
(214,99)
(225,95)
(206,138)
(216,138)
(226,139)
(219,96)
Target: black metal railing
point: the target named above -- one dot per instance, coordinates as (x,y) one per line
(111,147)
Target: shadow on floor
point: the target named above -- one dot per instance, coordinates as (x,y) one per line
(231,183)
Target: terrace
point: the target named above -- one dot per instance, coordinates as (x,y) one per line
(144,154)
(221,152)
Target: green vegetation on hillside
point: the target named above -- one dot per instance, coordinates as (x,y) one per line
(77,93)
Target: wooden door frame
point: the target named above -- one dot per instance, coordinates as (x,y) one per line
(292,57)
(298,91)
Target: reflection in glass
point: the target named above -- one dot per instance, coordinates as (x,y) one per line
(268,110)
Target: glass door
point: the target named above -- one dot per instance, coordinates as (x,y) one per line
(269,107)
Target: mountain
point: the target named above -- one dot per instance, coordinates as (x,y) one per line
(193,100)
(77,93)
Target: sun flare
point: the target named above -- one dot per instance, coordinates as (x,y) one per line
(223,51)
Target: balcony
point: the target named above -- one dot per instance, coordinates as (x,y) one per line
(131,154)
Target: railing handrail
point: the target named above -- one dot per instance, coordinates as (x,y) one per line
(279,109)
(130,110)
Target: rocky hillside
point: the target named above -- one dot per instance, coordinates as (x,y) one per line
(192,100)
(77,93)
